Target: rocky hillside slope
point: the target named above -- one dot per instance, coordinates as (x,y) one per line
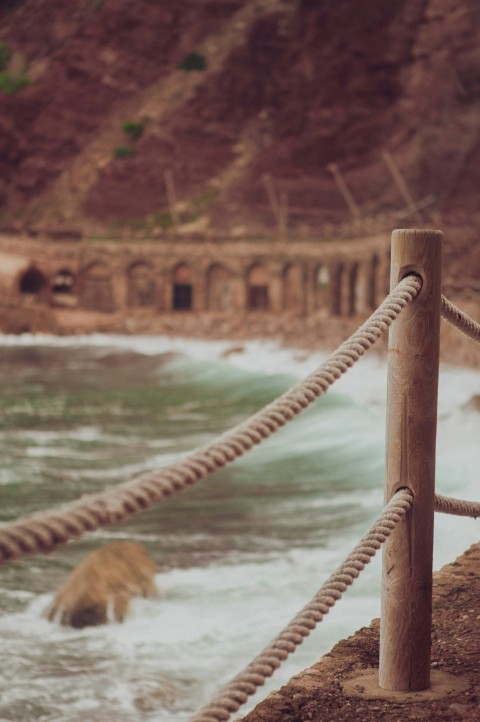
(106,119)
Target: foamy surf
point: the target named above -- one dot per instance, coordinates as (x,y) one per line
(239,554)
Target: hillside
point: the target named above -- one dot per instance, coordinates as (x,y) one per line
(284,88)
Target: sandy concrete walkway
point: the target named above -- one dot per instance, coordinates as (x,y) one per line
(322,693)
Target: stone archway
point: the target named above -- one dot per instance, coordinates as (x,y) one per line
(96,288)
(219,290)
(373,282)
(32,285)
(140,285)
(321,287)
(258,288)
(336,293)
(182,288)
(64,288)
(293,289)
(352,305)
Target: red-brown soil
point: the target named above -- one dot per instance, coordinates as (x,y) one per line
(317,695)
(290,86)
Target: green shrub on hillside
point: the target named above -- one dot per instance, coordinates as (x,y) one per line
(193,61)
(4,56)
(163,220)
(124,151)
(12,85)
(133,129)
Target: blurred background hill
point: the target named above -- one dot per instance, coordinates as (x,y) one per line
(109,109)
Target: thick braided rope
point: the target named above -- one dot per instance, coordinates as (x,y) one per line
(460,320)
(237,691)
(42,531)
(457,507)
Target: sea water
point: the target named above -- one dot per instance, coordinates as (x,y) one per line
(239,554)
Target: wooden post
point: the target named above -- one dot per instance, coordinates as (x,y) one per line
(171,197)
(344,190)
(279,207)
(405,630)
(398,178)
(418,206)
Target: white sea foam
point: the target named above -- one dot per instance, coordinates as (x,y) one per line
(221,614)
(211,619)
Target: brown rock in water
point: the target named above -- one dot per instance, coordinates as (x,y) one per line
(473,404)
(100,588)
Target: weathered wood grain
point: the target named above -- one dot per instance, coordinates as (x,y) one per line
(405,637)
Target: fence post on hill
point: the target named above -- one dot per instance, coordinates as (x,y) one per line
(413,348)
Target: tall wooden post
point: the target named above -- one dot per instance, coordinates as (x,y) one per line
(279,206)
(405,630)
(344,190)
(398,178)
(171,197)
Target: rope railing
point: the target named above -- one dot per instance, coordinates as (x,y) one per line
(457,507)
(42,531)
(237,691)
(245,684)
(460,320)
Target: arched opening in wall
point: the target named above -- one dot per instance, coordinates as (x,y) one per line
(140,285)
(33,285)
(63,289)
(321,286)
(293,289)
(258,288)
(218,288)
(182,289)
(373,283)
(362,288)
(352,289)
(336,295)
(386,273)
(97,289)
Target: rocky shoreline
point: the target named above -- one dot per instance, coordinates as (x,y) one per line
(322,693)
(306,333)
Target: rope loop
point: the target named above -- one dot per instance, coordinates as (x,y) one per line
(458,507)
(460,320)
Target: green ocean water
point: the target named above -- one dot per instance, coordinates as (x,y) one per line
(239,554)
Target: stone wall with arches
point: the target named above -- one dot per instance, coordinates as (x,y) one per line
(200,277)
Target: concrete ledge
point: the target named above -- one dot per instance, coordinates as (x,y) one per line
(318,693)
